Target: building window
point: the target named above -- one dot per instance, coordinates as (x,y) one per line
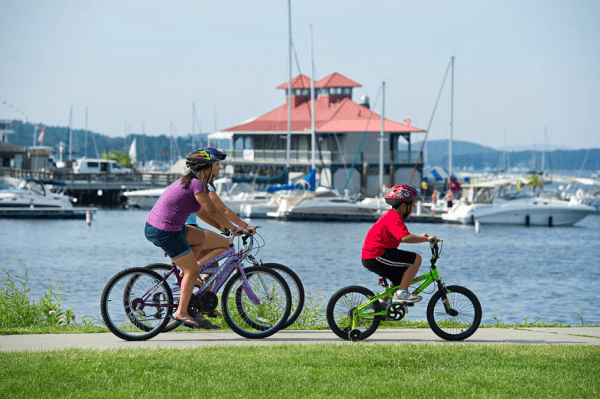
(305,92)
(332,90)
(347,90)
(298,91)
(339,90)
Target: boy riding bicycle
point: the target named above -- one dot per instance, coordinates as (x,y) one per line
(380,253)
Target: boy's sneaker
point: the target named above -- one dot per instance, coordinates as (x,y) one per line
(384,303)
(404,296)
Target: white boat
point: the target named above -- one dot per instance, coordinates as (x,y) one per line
(143,199)
(500,202)
(234,195)
(325,203)
(30,198)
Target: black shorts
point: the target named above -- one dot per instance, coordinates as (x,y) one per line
(392,264)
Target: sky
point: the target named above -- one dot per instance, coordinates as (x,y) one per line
(527,73)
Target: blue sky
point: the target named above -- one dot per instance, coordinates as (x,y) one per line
(523,66)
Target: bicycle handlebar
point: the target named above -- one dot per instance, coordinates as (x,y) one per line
(435,249)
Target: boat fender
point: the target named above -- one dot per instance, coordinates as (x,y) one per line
(527,220)
(550,221)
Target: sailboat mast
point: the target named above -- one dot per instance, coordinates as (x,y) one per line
(451,123)
(289,126)
(313,139)
(544,149)
(381,136)
(70,133)
(193,123)
(86,133)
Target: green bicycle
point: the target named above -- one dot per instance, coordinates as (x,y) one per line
(453,313)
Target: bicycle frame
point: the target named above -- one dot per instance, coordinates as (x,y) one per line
(427,279)
(219,275)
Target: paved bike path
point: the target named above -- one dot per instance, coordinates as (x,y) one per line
(483,336)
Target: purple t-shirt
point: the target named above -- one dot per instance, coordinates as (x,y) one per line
(175,205)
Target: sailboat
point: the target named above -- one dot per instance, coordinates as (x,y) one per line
(133,151)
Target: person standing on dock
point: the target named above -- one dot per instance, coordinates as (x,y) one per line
(449,197)
(380,253)
(434,198)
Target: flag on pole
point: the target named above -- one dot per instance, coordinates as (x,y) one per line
(41,138)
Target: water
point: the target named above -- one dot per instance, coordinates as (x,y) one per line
(517,272)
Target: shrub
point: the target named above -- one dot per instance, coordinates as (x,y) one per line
(18,310)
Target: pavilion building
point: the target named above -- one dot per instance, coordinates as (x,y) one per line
(259,145)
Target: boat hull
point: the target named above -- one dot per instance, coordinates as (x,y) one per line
(535,213)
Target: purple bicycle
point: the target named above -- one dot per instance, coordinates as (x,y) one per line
(256,301)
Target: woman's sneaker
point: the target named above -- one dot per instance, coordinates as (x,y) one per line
(404,296)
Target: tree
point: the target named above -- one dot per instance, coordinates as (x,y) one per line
(535,181)
(120,157)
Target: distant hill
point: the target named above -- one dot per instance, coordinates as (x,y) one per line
(148,147)
(438,147)
(465,154)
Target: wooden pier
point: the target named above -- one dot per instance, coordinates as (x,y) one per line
(95,189)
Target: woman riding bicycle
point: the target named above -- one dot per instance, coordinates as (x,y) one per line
(380,254)
(166,228)
(200,252)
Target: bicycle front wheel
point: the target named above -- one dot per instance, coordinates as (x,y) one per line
(136,304)
(461,320)
(296,290)
(257,306)
(340,309)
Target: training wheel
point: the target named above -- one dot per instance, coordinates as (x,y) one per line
(355,335)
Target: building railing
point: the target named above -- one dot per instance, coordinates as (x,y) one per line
(397,157)
(326,157)
(269,156)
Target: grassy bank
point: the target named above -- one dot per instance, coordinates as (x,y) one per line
(299,371)
(19,314)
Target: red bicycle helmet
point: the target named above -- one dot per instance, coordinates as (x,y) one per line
(399,194)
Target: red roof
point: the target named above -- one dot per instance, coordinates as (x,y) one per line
(344,116)
(336,80)
(299,82)
(333,80)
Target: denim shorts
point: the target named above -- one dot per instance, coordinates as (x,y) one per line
(172,242)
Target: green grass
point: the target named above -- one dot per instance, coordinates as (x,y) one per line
(299,371)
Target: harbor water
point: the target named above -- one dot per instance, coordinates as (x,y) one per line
(518,273)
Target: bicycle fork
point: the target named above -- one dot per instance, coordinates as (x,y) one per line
(443,291)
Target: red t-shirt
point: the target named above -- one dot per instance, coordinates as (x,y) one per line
(385,233)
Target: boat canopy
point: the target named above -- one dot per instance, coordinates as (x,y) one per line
(308,183)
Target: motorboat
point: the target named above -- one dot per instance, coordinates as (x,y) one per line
(505,202)
(31,198)
(324,204)
(143,199)
(233,194)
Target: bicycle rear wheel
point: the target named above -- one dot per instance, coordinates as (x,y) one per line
(163,269)
(340,308)
(296,290)
(135,304)
(256,320)
(463,318)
